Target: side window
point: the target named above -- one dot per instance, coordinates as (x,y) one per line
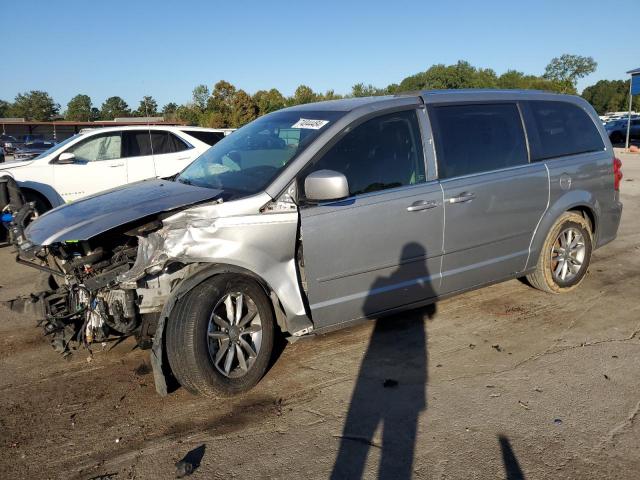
(562,129)
(477,138)
(381,153)
(139,143)
(99,147)
(136,143)
(165,142)
(210,138)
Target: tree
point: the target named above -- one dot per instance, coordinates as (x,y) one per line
(569,68)
(148,107)
(95,114)
(188,113)
(170,108)
(114,107)
(268,101)
(5,108)
(79,109)
(243,109)
(330,95)
(35,105)
(610,96)
(200,96)
(303,94)
(219,105)
(362,90)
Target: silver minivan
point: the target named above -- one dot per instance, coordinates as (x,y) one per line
(316,216)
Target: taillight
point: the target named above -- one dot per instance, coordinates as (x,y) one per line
(617,173)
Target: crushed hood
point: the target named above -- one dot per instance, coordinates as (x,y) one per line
(91,216)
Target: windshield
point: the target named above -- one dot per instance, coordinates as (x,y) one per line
(246,161)
(56,146)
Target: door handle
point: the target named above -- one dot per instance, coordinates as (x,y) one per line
(462,198)
(421,205)
(114,165)
(183,158)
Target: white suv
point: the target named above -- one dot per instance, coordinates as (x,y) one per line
(103,158)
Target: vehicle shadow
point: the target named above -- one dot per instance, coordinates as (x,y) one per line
(390,390)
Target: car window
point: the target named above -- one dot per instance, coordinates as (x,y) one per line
(381,153)
(140,143)
(562,129)
(476,138)
(165,142)
(98,147)
(210,138)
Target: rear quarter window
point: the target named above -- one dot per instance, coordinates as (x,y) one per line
(558,129)
(210,138)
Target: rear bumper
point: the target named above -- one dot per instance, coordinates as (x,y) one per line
(609,224)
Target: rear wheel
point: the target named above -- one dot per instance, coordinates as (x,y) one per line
(220,336)
(565,255)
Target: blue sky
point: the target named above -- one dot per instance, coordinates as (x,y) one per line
(164,48)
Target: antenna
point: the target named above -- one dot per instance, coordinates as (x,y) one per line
(146,114)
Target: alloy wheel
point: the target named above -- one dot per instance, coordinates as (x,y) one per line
(234,334)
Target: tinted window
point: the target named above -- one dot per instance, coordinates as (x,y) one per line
(384,152)
(210,138)
(139,143)
(477,138)
(562,129)
(98,147)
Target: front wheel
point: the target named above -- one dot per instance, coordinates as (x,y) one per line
(220,336)
(565,255)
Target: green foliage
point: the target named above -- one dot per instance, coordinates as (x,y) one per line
(200,96)
(243,109)
(226,106)
(190,114)
(220,105)
(268,101)
(148,107)
(567,69)
(5,108)
(114,107)
(303,94)
(610,96)
(79,108)
(34,105)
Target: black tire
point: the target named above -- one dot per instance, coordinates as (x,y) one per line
(187,338)
(42,205)
(543,278)
(617,137)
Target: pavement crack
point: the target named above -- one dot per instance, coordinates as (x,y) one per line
(622,426)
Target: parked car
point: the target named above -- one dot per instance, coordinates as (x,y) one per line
(32,149)
(103,158)
(317,216)
(617,130)
(9,143)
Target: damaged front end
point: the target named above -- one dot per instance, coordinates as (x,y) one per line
(124,279)
(84,304)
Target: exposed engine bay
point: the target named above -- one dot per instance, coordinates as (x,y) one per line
(79,300)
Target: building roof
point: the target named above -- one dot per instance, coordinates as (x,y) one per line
(100,123)
(635,71)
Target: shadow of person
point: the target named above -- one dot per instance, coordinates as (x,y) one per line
(511,466)
(390,391)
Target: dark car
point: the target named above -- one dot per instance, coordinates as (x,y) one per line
(32,149)
(9,143)
(1,155)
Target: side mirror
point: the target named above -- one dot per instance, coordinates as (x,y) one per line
(66,158)
(326,185)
